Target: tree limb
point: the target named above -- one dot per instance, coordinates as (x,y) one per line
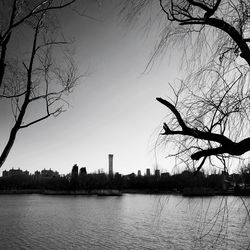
(226,145)
(208,136)
(36,121)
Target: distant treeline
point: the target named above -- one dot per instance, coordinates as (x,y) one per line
(163,182)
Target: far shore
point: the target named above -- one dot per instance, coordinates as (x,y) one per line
(62,192)
(103,192)
(115,192)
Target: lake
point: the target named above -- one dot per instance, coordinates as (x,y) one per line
(131,221)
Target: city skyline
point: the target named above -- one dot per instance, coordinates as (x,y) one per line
(113,108)
(109,170)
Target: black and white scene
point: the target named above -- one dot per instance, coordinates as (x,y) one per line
(125,124)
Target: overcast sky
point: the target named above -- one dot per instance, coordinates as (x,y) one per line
(112,111)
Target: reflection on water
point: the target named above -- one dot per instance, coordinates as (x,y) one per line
(127,222)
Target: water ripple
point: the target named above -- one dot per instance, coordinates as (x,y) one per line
(128,222)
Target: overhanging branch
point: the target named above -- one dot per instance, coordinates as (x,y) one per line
(186,130)
(227,146)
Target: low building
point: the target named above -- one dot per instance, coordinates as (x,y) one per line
(164,175)
(15,172)
(49,173)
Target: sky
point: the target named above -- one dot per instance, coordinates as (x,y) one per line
(112,110)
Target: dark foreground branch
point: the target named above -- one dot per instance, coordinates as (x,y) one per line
(227,146)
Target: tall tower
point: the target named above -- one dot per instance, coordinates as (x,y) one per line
(110,165)
(74,171)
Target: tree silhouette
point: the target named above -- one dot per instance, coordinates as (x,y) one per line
(209,115)
(42,76)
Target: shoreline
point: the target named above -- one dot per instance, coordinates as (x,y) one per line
(115,192)
(99,192)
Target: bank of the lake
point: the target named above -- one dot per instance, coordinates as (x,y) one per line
(100,192)
(189,192)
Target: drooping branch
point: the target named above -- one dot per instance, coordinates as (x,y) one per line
(234,34)
(182,15)
(226,145)
(186,130)
(209,123)
(174,111)
(212,117)
(200,5)
(237,149)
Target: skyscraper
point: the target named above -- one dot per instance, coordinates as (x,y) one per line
(139,173)
(74,172)
(110,164)
(157,172)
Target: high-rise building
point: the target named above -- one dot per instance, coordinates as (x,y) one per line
(157,173)
(74,182)
(83,171)
(74,171)
(110,164)
(139,173)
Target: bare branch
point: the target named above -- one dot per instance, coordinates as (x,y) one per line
(39,79)
(34,122)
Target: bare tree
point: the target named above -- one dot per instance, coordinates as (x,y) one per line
(45,75)
(210,113)
(18,13)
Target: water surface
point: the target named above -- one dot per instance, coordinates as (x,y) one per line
(127,222)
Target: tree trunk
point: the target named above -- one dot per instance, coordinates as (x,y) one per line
(9,145)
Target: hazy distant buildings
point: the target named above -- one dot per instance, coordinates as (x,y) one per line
(37,173)
(165,175)
(14,172)
(100,171)
(129,176)
(49,173)
(110,165)
(46,173)
(118,175)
